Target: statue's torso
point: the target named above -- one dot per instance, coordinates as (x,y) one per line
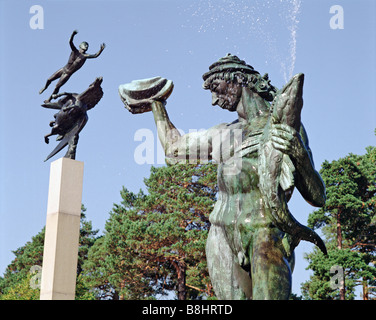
(240,208)
(75,62)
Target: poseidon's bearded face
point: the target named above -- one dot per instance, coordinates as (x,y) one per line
(228,75)
(225,94)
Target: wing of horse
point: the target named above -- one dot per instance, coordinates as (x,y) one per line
(68,137)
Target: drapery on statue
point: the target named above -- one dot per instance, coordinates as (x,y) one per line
(76,60)
(250,246)
(72,116)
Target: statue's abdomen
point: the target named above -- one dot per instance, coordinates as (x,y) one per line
(239,208)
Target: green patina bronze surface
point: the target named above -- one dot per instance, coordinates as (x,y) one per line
(72,115)
(250,246)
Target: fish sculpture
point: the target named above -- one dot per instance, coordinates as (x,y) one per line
(277,170)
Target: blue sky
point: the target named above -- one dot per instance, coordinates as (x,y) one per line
(177,40)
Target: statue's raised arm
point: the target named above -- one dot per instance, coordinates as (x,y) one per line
(146,95)
(95,55)
(73,47)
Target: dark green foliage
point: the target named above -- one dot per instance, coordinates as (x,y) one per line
(348,221)
(155,243)
(15,283)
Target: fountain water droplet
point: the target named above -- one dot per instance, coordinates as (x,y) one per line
(268,24)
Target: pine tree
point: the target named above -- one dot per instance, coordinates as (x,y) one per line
(113,269)
(155,242)
(349,225)
(16,283)
(182,196)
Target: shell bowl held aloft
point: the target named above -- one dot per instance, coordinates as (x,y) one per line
(138,95)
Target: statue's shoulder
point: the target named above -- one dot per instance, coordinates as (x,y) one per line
(236,124)
(225,126)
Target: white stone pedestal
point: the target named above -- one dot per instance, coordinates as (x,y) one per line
(60,254)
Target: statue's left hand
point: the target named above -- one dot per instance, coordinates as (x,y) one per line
(285,139)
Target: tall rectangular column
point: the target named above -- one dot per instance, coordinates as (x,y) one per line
(60,253)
